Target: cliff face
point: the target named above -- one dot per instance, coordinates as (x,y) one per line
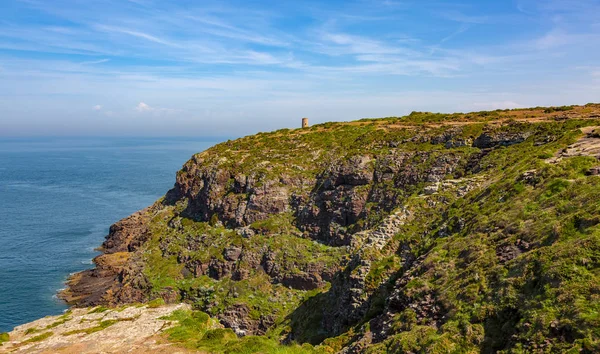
(327,206)
(397,234)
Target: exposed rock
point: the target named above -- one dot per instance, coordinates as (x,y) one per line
(245,231)
(378,237)
(451,138)
(135,330)
(493,139)
(208,190)
(594,171)
(303,281)
(507,253)
(169,295)
(530,177)
(237,317)
(128,234)
(431,189)
(588,145)
(232,253)
(116,279)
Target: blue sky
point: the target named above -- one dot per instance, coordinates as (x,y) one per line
(152,68)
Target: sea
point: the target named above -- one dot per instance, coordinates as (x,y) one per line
(59,196)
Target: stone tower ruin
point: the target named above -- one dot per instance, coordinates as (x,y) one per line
(304,122)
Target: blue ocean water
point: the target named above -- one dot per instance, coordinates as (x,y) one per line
(58,198)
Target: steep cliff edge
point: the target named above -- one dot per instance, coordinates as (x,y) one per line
(431,232)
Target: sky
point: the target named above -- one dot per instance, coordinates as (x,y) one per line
(230,68)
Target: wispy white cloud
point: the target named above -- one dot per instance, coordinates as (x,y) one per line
(97,107)
(134,33)
(342,43)
(462,29)
(220,28)
(93,62)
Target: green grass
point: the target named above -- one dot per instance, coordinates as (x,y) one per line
(31,330)
(102,325)
(4,337)
(39,338)
(98,309)
(156,303)
(196,330)
(57,323)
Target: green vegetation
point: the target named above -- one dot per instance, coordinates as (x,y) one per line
(99,309)
(559,109)
(39,338)
(156,303)
(197,330)
(4,337)
(256,291)
(31,330)
(57,323)
(101,326)
(61,320)
(543,295)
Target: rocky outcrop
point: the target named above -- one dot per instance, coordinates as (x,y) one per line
(336,202)
(493,139)
(587,145)
(96,330)
(238,263)
(236,199)
(237,317)
(116,279)
(325,208)
(128,234)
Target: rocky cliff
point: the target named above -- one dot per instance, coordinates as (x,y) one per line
(426,233)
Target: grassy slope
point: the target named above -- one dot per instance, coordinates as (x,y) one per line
(547,297)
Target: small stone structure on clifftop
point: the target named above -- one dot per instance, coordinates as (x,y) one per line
(304,122)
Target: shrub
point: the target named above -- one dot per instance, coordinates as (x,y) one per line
(4,337)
